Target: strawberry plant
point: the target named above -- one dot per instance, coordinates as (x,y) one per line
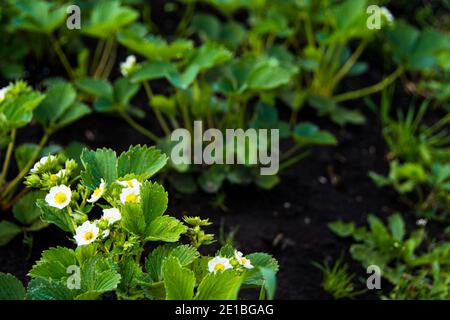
(415,273)
(19,106)
(419,156)
(113,212)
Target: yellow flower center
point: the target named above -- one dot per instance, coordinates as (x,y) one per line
(243,260)
(130,183)
(97,191)
(53,177)
(219,267)
(131,198)
(60,198)
(88,236)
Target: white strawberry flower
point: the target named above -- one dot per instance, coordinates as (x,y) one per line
(105,233)
(217,264)
(111,215)
(59,196)
(3,92)
(387,14)
(98,192)
(42,161)
(422,222)
(61,173)
(246,263)
(130,195)
(86,233)
(133,183)
(128,65)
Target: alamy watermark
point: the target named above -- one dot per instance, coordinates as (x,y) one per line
(374,280)
(74,278)
(249,147)
(73,21)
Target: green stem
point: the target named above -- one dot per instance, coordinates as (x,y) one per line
(290,151)
(27,167)
(139,128)
(62,56)
(185,113)
(292,160)
(9,152)
(97,53)
(111,60)
(105,56)
(293,118)
(187,16)
(348,65)
(309,31)
(369,90)
(158,114)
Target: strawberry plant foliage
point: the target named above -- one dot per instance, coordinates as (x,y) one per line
(53,110)
(416,267)
(113,212)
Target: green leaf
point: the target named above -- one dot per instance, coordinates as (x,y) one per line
(133,219)
(18,111)
(261,260)
(185,254)
(130,272)
(204,58)
(25,210)
(163,103)
(142,161)
(342,229)
(11,288)
(379,232)
(107,18)
(397,226)
(267,182)
(95,87)
(307,133)
(98,164)
(99,275)
(124,90)
(38,16)
(270,281)
(59,217)
(266,117)
(154,261)
(75,112)
(226,251)
(154,200)
(165,228)
(269,74)
(8,231)
(54,263)
(58,100)
(342,116)
(74,151)
(179,282)
(153,48)
(219,286)
(49,289)
(368,255)
(417,50)
(152,70)
(22,154)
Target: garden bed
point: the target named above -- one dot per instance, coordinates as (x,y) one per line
(289,221)
(337,95)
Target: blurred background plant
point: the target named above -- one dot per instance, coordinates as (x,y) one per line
(19,106)
(232,64)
